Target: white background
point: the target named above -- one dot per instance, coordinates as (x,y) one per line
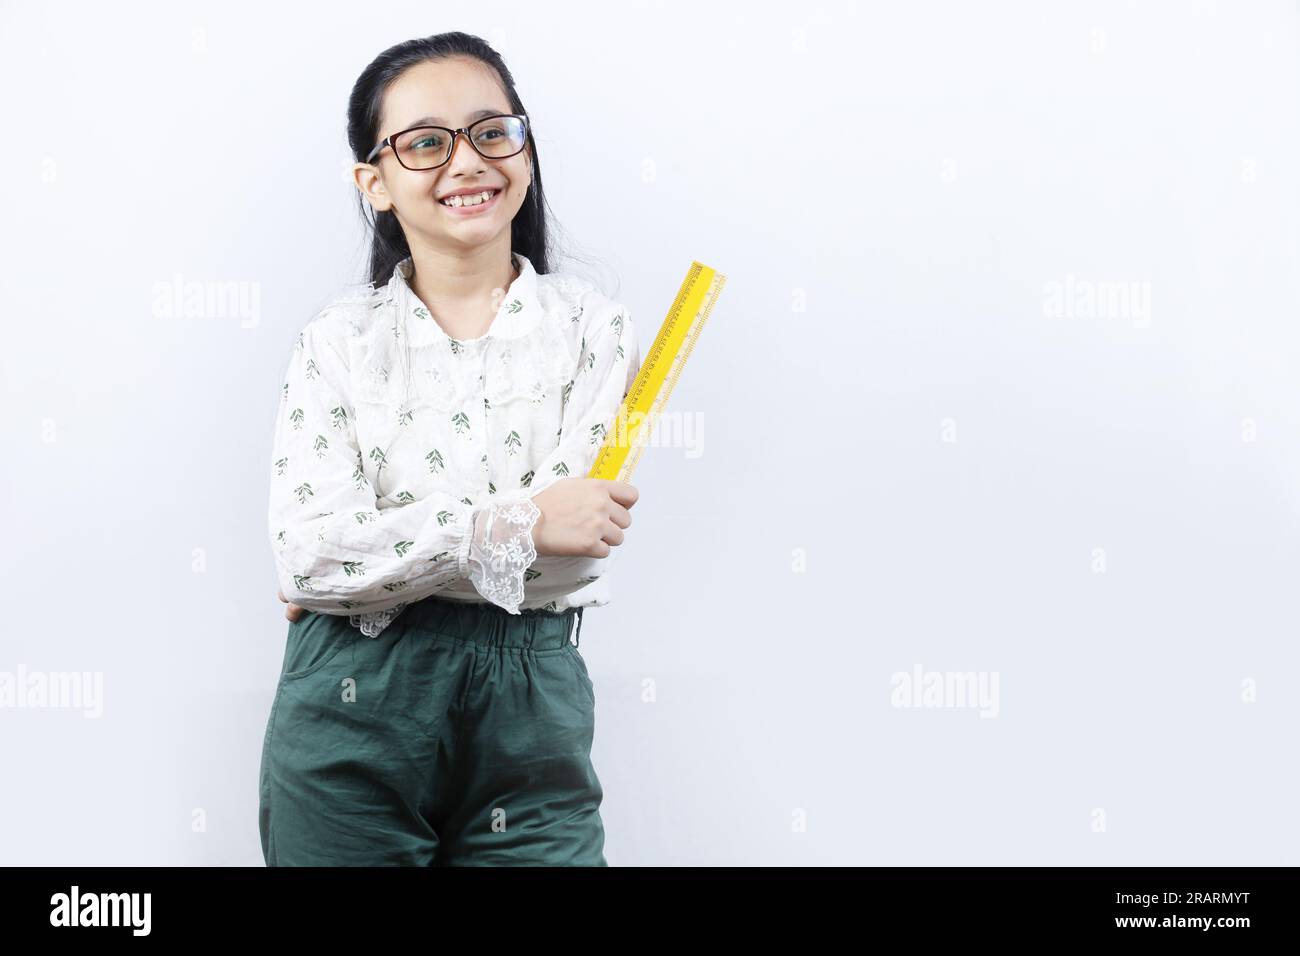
(890,189)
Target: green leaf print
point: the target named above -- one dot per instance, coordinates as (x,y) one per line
(441,555)
(619,352)
(585,581)
(486,404)
(526,481)
(351,568)
(456,346)
(564,395)
(364,516)
(513,443)
(444,517)
(550,606)
(420,312)
(296,416)
(492,489)
(359,477)
(531,575)
(591,361)
(597,433)
(404,417)
(378,457)
(434,458)
(402,547)
(311,371)
(467,501)
(395,586)
(616,323)
(339,417)
(514,306)
(348,605)
(405,497)
(461,422)
(302,582)
(280,465)
(321,446)
(303,492)
(561,469)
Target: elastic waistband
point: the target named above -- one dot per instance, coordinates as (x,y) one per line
(493,626)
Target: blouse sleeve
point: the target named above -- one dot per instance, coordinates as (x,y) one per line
(608,362)
(336,550)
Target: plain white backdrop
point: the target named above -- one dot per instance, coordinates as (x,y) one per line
(1003,383)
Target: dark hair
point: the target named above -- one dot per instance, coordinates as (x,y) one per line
(528,232)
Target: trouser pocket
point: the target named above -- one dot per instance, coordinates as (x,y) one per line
(313,641)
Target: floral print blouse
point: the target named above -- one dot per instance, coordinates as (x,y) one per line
(405,461)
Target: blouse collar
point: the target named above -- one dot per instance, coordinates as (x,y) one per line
(519,312)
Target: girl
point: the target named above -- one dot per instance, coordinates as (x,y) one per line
(433,532)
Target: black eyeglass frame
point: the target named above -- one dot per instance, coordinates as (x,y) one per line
(451,148)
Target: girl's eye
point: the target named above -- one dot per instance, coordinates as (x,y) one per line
(425,142)
(489,135)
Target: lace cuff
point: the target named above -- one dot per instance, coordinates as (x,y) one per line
(501,549)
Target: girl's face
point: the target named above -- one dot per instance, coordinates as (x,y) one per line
(452,93)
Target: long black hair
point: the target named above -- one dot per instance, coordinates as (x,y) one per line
(529,235)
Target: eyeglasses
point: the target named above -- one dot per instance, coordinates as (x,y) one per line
(428,147)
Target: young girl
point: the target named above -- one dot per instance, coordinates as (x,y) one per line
(428,508)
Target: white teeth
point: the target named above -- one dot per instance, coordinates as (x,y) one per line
(470,199)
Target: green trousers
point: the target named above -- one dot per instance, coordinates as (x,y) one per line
(461,735)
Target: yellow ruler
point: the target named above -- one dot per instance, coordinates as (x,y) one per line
(658,374)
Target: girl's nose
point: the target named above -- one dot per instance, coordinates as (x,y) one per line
(463,153)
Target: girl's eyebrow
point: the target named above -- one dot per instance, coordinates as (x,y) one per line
(439,121)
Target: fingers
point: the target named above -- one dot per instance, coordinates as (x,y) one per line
(619,515)
(622,492)
(291,611)
(613,534)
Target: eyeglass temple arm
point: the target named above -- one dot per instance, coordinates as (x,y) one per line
(375,152)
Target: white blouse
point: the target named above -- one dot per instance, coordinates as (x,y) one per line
(405,461)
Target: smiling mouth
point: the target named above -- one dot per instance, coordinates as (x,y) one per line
(471,200)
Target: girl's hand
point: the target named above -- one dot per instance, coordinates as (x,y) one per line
(293,611)
(582,516)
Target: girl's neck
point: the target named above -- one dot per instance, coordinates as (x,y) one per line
(461,293)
